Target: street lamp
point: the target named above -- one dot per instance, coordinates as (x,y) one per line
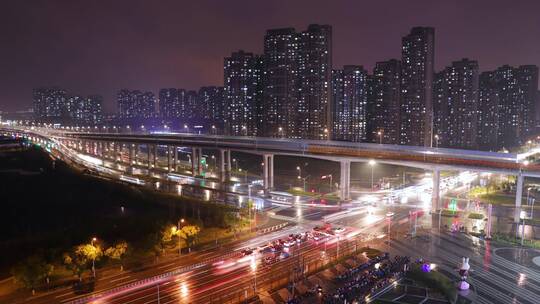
(213,130)
(326,133)
(254,270)
(522,216)
(436,141)
(304,181)
(372,164)
(244,130)
(235,164)
(299,170)
(329,176)
(186,128)
(245,174)
(379,133)
(94,257)
(280,132)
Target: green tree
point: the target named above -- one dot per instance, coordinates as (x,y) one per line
(117,252)
(232,220)
(81,258)
(152,244)
(188,234)
(30,272)
(167,233)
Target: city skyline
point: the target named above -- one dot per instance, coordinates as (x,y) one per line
(292,90)
(284,152)
(105,51)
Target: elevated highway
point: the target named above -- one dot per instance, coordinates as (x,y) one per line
(432,159)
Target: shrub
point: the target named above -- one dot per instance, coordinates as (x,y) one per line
(435,280)
(476,216)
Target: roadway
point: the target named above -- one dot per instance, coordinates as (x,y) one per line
(232,278)
(419,157)
(235,280)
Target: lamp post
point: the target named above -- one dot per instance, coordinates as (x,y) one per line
(372,164)
(304,181)
(94,257)
(436,141)
(329,176)
(186,128)
(280,132)
(254,270)
(326,133)
(379,133)
(245,174)
(522,216)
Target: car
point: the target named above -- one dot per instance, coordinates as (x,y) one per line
(269,260)
(318,228)
(289,243)
(317,236)
(389,214)
(284,255)
(338,229)
(247,251)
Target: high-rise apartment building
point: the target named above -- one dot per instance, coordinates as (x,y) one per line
(192,108)
(314,107)
(135,104)
(517,103)
(211,103)
(456,105)
(280,81)
(50,104)
(417,64)
(53,105)
(242,93)
(169,103)
(384,102)
(297,82)
(349,87)
(508,106)
(488,111)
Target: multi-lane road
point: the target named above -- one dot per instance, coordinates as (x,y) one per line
(222,275)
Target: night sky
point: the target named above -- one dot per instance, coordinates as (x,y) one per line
(99,47)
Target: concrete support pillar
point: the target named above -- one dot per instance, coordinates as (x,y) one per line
(271,169)
(222,172)
(194,166)
(175,158)
(149,161)
(115,152)
(131,154)
(228,166)
(268,171)
(435,193)
(136,152)
(345,180)
(200,168)
(100,148)
(169,160)
(154,155)
(519,195)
